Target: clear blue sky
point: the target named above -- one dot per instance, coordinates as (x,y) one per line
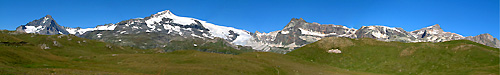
(465,17)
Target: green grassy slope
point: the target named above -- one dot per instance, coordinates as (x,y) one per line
(95,57)
(370,55)
(359,56)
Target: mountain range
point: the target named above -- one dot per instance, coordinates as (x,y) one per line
(164,30)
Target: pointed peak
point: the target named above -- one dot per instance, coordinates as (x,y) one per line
(257,32)
(48,16)
(166,12)
(435,26)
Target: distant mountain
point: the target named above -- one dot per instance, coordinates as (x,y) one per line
(298,33)
(485,39)
(167,31)
(434,33)
(45,25)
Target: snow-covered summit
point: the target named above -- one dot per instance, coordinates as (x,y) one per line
(45,25)
(168,16)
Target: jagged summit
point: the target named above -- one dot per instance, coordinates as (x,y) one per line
(45,25)
(48,16)
(298,19)
(434,27)
(294,22)
(163,13)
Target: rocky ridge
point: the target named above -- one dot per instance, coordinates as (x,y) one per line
(162,29)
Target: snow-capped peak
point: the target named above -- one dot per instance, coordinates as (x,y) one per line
(45,25)
(434,26)
(165,13)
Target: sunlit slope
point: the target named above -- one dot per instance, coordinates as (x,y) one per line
(21,53)
(370,55)
(95,57)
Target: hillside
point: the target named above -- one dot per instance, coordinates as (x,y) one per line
(70,55)
(26,54)
(369,55)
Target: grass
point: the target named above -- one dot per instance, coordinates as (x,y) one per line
(95,57)
(358,57)
(369,55)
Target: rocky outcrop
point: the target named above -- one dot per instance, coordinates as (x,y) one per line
(485,39)
(298,33)
(434,33)
(384,33)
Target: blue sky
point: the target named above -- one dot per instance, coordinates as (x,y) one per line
(465,17)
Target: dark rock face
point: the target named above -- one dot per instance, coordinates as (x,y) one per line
(485,39)
(233,35)
(45,25)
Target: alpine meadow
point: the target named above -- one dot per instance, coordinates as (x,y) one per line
(439,37)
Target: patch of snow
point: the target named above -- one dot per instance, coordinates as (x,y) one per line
(45,19)
(106,27)
(309,38)
(167,14)
(434,31)
(196,36)
(221,31)
(71,30)
(334,51)
(99,35)
(307,32)
(32,29)
(206,35)
(285,32)
(383,27)
(122,32)
(379,35)
(81,31)
(135,27)
(151,26)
